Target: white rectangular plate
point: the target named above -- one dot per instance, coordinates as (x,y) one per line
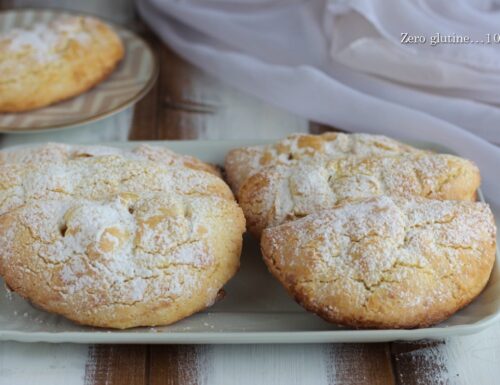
(256,308)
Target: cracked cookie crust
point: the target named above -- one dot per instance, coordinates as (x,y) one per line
(115,242)
(54,61)
(133,260)
(281,193)
(385,262)
(59,152)
(97,178)
(243,162)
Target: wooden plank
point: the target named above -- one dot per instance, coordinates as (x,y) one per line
(182,113)
(419,363)
(319,128)
(145,117)
(176,365)
(168,111)
(360,364)
(117,364)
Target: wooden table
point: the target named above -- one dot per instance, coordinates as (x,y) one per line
(187,104)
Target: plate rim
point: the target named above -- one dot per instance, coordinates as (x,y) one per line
(137,97)
(151,336)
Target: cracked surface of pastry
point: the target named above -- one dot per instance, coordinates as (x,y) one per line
(58,152)
(134,259)
(97,178)
(54,61)
(243,162)
(385,262)
(281,193)
(115,242)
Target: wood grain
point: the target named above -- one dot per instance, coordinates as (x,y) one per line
(145,117)
(319,128)
(176,365)
(419,363)
(168,111)
(175,108)
(360,364)
(117,364)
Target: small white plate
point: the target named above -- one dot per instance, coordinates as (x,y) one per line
(129,82)
(256,308)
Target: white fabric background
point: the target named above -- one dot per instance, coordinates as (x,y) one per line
(341,63)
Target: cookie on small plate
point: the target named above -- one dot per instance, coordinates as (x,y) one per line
(55,61)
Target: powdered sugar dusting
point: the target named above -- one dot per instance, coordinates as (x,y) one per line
(96,251)
(279,193)
(59,152)
(410,253)
(244,162)
(44,41)
(103,236)
(96,178)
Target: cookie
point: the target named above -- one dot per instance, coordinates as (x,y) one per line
(97,178)
(385,262)
(58,152)
(286,192)
(141,259)
(54,61)
(243,162)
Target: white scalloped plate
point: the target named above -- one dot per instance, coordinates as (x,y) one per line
(256,308)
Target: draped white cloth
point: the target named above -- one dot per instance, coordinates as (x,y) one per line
(343,62)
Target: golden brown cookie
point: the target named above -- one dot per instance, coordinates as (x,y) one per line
(385,262)
(98,178)
(139,259)
(58,152)
(243,162)
(55,61)
(281,193)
